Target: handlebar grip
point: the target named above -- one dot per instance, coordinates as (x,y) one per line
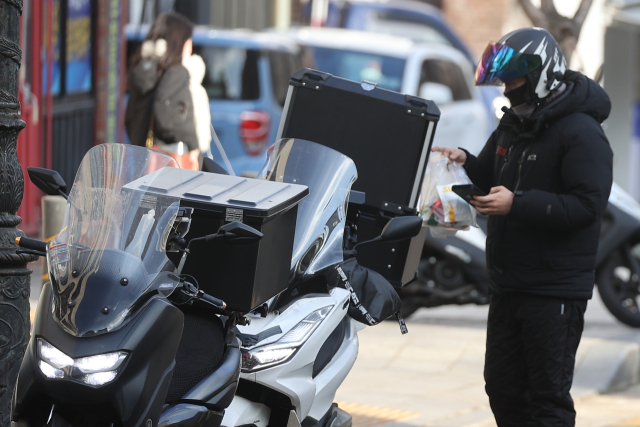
(214,301)
(33,244)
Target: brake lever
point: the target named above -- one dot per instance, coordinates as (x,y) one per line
(30,252)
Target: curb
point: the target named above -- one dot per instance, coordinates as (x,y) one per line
(605,366)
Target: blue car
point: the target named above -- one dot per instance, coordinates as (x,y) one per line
(246,80)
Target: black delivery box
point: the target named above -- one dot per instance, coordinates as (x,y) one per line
(243,276)
(388,135)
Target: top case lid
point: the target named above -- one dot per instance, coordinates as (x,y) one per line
(387,134)
(255,196)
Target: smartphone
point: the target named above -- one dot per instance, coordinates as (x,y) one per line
(467,191)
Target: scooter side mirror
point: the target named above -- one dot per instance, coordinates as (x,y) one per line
(47,180)
(401,228)
(209,165)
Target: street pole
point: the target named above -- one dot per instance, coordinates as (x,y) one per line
(14,275)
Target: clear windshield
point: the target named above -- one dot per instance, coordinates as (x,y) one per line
(322,215)
(110,255)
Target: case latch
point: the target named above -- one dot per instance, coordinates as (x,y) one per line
(308,78)
(422,108)
(234,215)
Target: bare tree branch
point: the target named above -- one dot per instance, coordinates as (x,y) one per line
(581,15)
(535,15)
(548,8)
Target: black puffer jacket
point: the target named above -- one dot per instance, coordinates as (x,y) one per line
(168,97)
(558,163)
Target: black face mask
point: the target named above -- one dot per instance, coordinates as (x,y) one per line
(518,96)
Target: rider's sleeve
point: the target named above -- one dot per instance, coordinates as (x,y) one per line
(480,168)
(587,174)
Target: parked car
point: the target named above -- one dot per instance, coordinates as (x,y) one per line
(418,21)
(432,71)
(246,80)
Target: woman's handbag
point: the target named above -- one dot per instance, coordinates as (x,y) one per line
(185,158)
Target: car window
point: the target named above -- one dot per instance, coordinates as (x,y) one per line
(404,25)
(445,73)
(231,72)
(386,71)
(282,66)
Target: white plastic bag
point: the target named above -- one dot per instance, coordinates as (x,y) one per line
(445,211)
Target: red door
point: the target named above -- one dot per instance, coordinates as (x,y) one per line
(30,141)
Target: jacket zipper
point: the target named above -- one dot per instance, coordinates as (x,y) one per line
(520,163)
(504,165)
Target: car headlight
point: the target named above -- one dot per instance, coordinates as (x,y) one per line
(280,351)
(93,370)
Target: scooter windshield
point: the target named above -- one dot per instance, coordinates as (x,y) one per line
(322,215)
(109,259)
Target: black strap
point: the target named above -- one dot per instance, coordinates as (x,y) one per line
(403,326)
(249,340)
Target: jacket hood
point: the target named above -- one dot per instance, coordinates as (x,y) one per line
(582,95)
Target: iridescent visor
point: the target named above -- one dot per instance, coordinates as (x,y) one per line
(500,64)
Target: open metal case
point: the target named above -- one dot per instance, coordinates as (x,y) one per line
(388,135)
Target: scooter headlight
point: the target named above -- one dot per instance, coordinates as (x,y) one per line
(282,350)
(93,370)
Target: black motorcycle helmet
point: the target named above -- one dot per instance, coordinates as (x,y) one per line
(531,52)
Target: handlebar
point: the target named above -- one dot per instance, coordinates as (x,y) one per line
(217,303)
(31,244)
(187,293)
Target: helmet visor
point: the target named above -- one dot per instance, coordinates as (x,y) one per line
(500,64)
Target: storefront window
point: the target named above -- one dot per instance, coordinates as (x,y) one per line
(55,81)
(78,71)
(72,61)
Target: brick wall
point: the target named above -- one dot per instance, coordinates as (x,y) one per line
(478,21)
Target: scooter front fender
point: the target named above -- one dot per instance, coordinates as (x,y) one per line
(243,412)
(188,415)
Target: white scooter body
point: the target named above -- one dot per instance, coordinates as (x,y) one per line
(311,397)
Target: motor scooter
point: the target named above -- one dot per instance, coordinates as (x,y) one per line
(299,347)
(121,337)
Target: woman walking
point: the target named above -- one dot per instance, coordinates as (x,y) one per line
(160,112)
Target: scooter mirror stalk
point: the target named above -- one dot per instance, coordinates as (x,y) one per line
(398,228)
(235,233)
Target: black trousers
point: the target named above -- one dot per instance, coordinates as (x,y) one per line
(531,348)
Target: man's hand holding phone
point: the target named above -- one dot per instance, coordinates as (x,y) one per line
(498,202)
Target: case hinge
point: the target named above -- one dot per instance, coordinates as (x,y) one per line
(397,210)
